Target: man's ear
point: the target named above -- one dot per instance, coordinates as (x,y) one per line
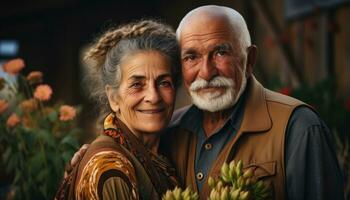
(251,59)
(112,98)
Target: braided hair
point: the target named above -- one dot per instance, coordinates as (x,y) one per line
(107,52)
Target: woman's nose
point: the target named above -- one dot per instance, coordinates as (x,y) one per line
(152,94)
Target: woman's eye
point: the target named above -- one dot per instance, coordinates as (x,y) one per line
(136,85)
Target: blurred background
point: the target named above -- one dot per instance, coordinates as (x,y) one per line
(304,49)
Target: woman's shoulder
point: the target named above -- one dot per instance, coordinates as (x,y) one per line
(104,161)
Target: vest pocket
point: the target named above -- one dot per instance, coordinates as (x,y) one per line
(263,169)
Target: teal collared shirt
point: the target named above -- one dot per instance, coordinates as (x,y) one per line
(208,148)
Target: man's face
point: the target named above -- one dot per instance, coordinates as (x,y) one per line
(213,64)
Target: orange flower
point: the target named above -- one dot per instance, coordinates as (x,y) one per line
(13,120)
(35,77)
(3,105)
(2,83)
(43,92)
(29,122)
(14,66)
(67,113)
(28,105)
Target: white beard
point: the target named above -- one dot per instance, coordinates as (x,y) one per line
(215,101)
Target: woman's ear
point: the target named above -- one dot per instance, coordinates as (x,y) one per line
(112,98)
(251,59)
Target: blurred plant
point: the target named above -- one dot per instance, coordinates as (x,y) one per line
(232,184)
(37,138)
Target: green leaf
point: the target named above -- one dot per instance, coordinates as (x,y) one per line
(70,141)
(7,154)
(29,140)
(47,138)
(17,176)
(36,163)
(67,156)
(53,116)
(75,131)
(42,176)
(12,163)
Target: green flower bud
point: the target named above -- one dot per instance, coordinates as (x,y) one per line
(232,165)
(224,169)
(224,194)
(186,194)
(234,194)
(240,182)
(214,195)
(244,195)
(239,168)
(194,196)
(177,193)
(168,196)
(211,182)
(248,173)
(219,185)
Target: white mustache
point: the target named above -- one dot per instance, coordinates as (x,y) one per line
(218,81)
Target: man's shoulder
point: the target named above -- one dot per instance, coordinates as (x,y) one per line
(179,115)
(282,99)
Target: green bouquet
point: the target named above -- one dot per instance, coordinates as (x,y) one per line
(232,184)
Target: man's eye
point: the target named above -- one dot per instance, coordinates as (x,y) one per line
(165,84)
(221,53)
(189,58)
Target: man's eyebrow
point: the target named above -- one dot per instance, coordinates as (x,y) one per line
(162,76)
(188,51)
(223,46)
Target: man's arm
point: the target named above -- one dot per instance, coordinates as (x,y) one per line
(312,169)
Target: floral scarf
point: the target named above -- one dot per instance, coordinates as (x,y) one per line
(158,167)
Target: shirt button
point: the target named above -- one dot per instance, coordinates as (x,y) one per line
(208,146)
(199,176)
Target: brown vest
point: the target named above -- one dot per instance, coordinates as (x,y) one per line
(259,142)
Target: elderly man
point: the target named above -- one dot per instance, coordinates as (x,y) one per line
(234,117)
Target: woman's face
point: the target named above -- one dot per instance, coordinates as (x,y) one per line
(145,99)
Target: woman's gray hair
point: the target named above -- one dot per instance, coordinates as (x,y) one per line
(108,52)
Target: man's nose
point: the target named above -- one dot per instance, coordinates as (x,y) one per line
(152,94)
(208,69)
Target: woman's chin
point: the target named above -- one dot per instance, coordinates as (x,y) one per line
(152,128)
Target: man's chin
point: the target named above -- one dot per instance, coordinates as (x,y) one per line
(216,104)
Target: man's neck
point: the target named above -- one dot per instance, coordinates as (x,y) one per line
(214,121)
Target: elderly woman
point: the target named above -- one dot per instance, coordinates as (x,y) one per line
(134,78)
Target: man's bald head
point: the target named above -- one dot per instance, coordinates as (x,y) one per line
(205,16)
